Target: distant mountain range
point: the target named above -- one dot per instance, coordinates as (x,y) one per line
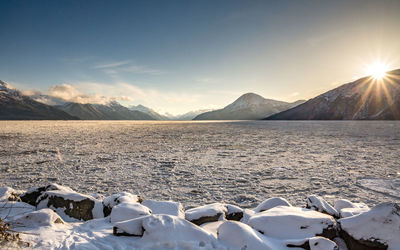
(111,111)
(363,99)
(15,106)
(249,106)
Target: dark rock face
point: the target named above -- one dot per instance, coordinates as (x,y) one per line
(31,197)
(353,244)
(237,216)
(81,210)
(119,232)
(330,232)
(206,219)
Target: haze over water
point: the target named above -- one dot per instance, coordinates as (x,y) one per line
(203,162)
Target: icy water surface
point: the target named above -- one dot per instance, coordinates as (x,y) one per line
(202,162)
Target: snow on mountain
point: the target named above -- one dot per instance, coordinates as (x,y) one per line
(16,106)
(249,106)
(363,99)
(149,111)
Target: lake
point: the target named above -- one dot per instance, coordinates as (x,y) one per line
(238,162)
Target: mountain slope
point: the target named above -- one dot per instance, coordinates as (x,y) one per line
(112,111)
(249,106)
(15,106)
(148,111)
(363,99)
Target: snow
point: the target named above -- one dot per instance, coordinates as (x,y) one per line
(317,203)
(121,197)
(127,211)
(206,211)
(381,223)
(212,227)
(8,193)
(165,207)
(270,203)
(40,218)
(237,236)
(9,209)
(291,222)
(316,243)
(347,208)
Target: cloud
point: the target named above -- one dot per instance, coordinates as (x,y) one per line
(294,94)
(113,68)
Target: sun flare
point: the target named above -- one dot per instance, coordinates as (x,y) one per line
(377,70)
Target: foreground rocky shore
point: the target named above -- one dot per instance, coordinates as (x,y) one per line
(57,217)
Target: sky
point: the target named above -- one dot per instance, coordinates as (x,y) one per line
(178,56)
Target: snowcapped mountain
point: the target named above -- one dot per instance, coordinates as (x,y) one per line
(149,111)
(110,111)
(249,106)
(363,99)
(16,106)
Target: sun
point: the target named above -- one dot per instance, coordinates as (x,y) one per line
(377,70)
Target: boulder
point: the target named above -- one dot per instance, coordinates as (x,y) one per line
(33,194)
(158,229)
(347,208)
(237,235)
(71,205)
(165,207)
(378,228)
(293,223)
(213,212)
(9,194)
(127,211)
(313,243)
(317,203)
(39,218)
(122,197)
(271,203)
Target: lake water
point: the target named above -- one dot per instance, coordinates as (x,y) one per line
(195,163)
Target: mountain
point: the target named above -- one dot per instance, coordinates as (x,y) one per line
(249,106)
(187,116)
(16,106)
(111,111)
(363,99)
(149,111)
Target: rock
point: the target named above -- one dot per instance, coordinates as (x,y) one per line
(40,218)
(11,209)
(32,194)
(346,208)
(213,212)
(165,207)
(378,228)
(293,223)
(317,203)
(234,212)
(122,197)
(161,228)
(313,243)
(271,203)
(70,204)
(237,235)
(247,213)
(128,211)
(9,194)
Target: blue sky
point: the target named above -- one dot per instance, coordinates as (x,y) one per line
(177,56)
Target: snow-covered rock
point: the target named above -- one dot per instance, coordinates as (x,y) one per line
(128,211)
(213,212)
(378,228)
(317,203)
(163,229)
(271,203)
(9,194)
(165,207)
(206,213)
(347,208)
(71,205)
(293,223)
(39,218)
(33,194)
(237,236)
(314,243)
(212,227)
(122,197)
(9,209)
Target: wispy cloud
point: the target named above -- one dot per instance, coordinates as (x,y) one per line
(113,68)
